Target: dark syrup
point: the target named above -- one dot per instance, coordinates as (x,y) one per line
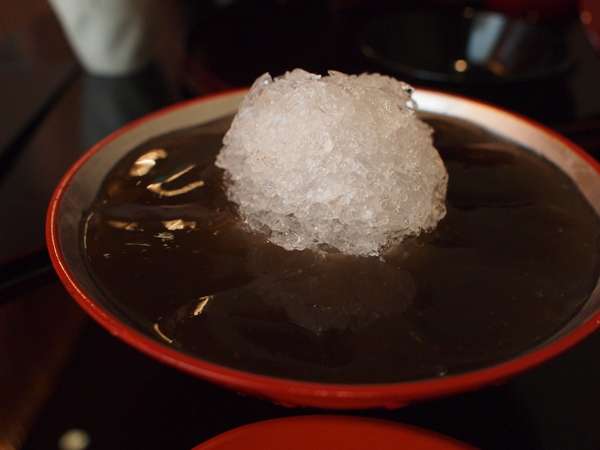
(514,259)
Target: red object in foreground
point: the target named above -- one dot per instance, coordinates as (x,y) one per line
(81,183)
(330,432)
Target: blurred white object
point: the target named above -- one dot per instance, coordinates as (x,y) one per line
(109,37)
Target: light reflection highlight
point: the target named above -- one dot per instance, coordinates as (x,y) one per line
(157,188)
(585,17)
(203,301)
(178,224)
(460,65)
(123,225)
(74,439)
(146,162)
(160,333)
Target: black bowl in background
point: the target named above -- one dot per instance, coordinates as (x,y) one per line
(464,46)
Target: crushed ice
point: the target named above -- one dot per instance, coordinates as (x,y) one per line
(339,161)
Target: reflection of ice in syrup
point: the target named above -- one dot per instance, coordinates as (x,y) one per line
(317,294)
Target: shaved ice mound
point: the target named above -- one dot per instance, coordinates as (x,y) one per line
(339,161)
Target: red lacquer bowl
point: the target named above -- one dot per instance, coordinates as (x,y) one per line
(80,185)
(330,432)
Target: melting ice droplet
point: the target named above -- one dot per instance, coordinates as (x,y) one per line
(339,161)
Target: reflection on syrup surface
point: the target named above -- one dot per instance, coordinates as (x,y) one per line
(514,259)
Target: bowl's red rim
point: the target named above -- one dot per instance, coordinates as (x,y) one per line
(295,392)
